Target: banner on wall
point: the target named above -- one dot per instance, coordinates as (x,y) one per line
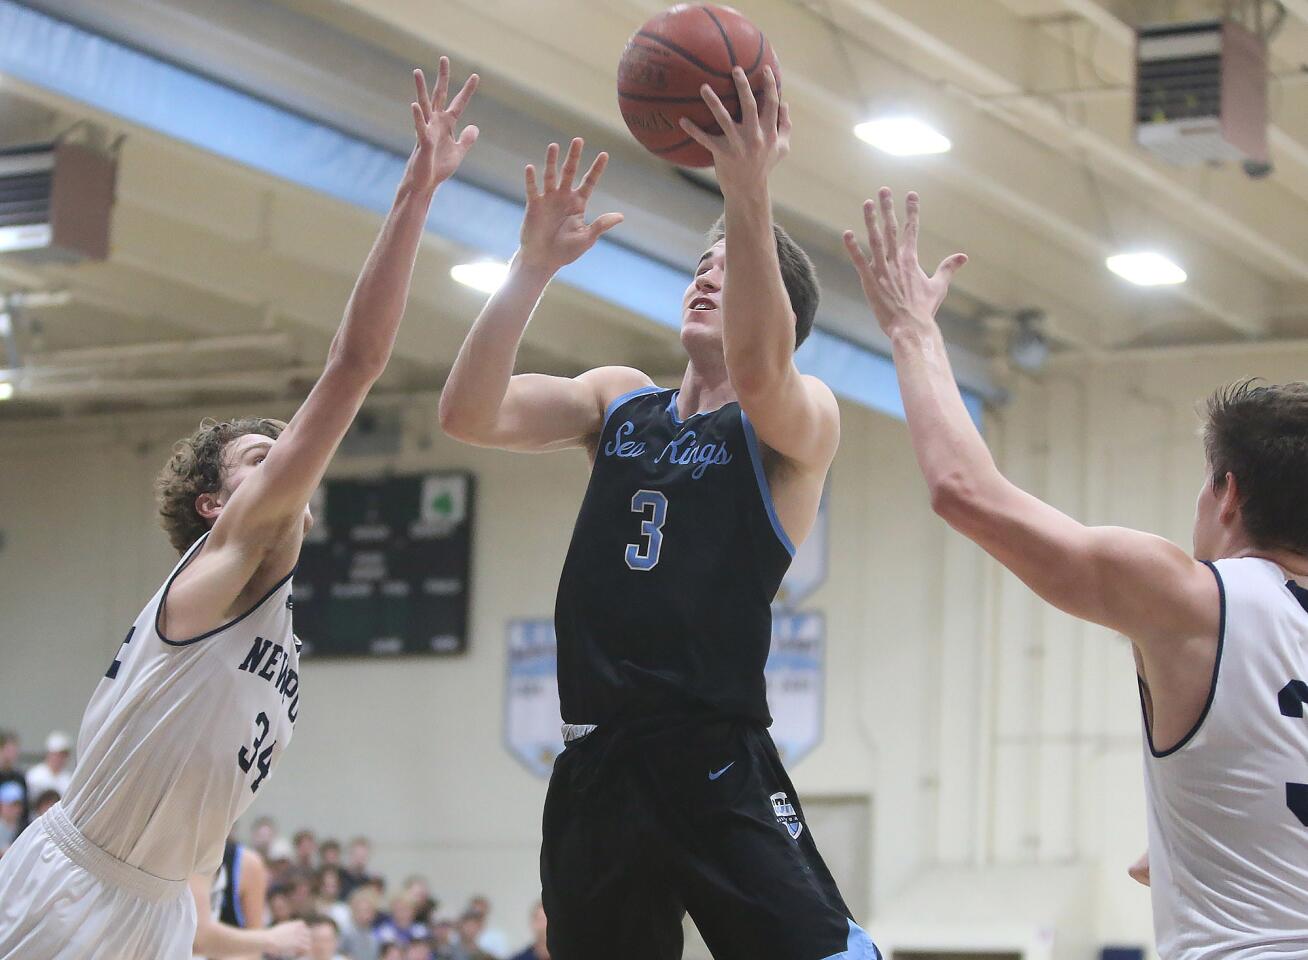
(795,681)
(532,725)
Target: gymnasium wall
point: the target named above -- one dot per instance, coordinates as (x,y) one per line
(995,741)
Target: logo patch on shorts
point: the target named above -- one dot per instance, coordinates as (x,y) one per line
(786,814)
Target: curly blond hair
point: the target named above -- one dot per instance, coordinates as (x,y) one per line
(196,467)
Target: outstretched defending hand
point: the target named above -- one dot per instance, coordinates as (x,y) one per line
(745,153)
(897,289)
(554,230)
(438,152)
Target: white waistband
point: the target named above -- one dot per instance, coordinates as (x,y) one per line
(575,731)
(110,869)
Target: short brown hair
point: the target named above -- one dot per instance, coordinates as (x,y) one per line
(1258,433)
(797,273)
(196,467)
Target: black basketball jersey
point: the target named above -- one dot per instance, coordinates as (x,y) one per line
(229,910)
(664,605)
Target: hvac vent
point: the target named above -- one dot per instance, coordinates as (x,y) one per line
(55,201)
(1201,93)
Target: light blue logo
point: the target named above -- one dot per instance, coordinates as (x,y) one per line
(714,776)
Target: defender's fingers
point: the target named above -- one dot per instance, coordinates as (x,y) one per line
(592,178)
(424,101)
(889,224)
(604,223)
(875,241)
(442,84)
(748,105)
(719,112)
(912,203)
(570,163)
(857,256)
(465,93)
(705,140)
(950,266)
(551,167)
(532,190)
(771,114)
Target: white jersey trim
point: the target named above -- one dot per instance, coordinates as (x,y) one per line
(1212,688)
(190,555)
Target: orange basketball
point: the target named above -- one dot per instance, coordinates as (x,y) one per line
(669,58)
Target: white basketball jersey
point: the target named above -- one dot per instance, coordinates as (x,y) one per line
(1228,806)
(181,734)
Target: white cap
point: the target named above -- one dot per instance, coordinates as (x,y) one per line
(58,742)
(280,849)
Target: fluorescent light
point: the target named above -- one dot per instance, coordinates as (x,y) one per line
(902,136)
(484,275)
(1146,269)
(25,236)
(6,390)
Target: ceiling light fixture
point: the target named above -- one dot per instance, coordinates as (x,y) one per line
(6,390)
(484,275)
(902,136)
(1146,269)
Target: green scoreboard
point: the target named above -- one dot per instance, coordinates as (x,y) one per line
(384,570)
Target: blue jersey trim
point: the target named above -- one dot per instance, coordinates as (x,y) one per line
(858,947)
(234,885)
(751,442)
(619,401)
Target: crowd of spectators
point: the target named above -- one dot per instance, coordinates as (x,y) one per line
(25,795)
(353,914)
(351,911)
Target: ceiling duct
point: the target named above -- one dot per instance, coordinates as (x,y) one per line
(55,202)
(1201,93)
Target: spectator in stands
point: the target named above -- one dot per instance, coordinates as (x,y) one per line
(492,941)
(419,950)
(392,951)
(323,938)
(357,939)
(9,770)
(424,905)
(329,853)
(401,926)
(279,904)
(53,773)
(44,802)
(471,925)
(306,850)
(300,891)
(11,814)
(356,865)
(444,940)
(280,866)
(536,950)
(328,891)
(262,835)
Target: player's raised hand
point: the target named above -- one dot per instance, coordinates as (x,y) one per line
(554,229)
(744,153)
(290,939)
(438,152)
(897,288)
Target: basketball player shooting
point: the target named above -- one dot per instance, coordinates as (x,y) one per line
(670,795)
(194,713)
(1220,638)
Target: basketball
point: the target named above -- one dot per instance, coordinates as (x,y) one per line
(668,59)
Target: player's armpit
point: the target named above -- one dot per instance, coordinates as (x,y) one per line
(541,413)
(1138,584)
(797,416)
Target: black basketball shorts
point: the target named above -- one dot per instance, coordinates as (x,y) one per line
(641,828)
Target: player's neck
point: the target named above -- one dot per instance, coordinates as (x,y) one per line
(704,387)
(1294,564)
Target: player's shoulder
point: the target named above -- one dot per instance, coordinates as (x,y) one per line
(613,383)
(820,392)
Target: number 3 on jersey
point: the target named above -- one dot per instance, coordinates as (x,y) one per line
(653,508)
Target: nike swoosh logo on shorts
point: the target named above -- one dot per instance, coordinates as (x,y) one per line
(714,776)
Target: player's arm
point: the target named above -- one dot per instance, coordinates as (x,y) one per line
(276,494)
(793,414)
(216,940)
(1139,871)
(1135,583)
(483,403)
(252,887)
